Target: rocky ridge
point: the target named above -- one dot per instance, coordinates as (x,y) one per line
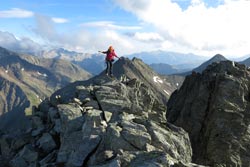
(213,107)
(115,123)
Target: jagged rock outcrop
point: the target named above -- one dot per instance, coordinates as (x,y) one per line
(110,124)
(213,107)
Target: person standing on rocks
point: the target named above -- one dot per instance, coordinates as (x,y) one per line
(110,55)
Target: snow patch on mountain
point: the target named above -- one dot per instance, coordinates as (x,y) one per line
(157,79)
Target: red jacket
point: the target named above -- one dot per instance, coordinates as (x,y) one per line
(110,55)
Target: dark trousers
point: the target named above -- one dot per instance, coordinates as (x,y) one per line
(109,69)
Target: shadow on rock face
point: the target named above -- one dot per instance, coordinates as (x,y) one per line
(213,107)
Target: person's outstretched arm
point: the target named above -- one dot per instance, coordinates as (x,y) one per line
(104,52)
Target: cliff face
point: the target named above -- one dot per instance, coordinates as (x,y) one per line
(214,108)
(13,100)
(115,123)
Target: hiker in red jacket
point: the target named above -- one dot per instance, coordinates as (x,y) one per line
(110,55)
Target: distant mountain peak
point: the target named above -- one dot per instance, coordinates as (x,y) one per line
(218,57)
(1,48)
(246,62)
(62,50)
(4,51)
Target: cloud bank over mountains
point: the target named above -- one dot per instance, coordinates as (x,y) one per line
(200,28)
(26,45)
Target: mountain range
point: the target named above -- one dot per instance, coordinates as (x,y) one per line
(95,63)
(172,58)
(27,80)
(166,69)
(61,53)
(164,63)
(54,71)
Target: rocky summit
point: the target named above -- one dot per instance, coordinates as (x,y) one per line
(214,108)
(136,68)
(111,124)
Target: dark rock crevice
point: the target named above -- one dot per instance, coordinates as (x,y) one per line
(86,160)
(100,108)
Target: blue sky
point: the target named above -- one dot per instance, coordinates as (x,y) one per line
(204,27)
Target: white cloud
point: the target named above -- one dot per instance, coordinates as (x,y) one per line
(86,39)
(16,13)
(148,36)
(9,41)
(45,28)
(77,39)
(199,28)
(109,25)
(59,20)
